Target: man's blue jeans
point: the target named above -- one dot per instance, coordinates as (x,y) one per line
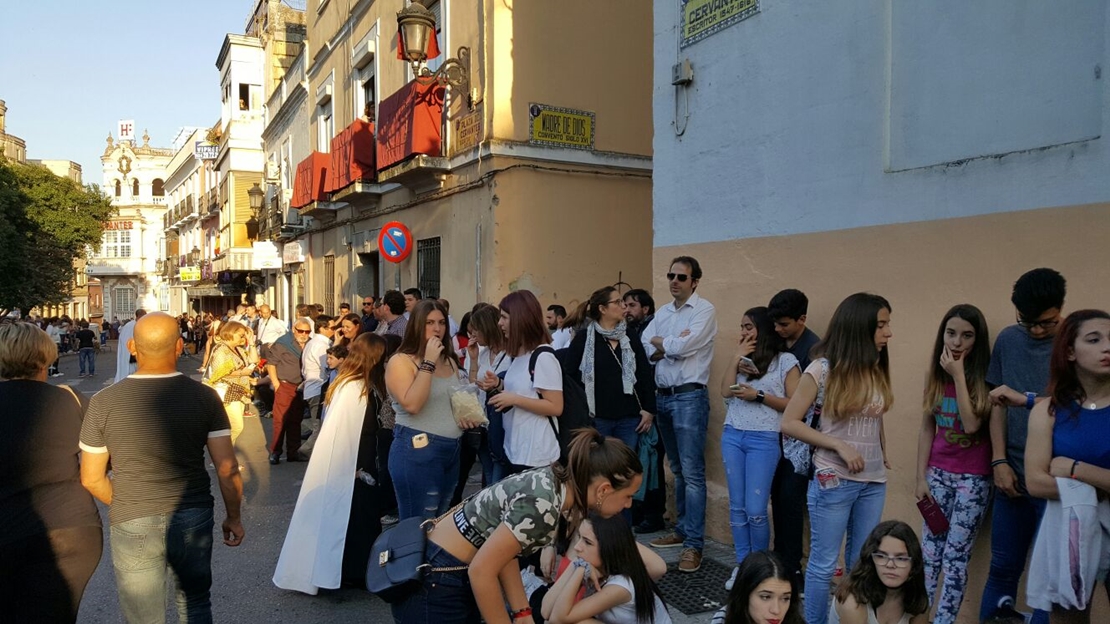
(683,420)
(853,508)
(1013,527)
(143,549)
(750,460)
(623,429)
(87,358)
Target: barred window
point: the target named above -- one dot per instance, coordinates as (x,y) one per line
(427,267)
(329,285)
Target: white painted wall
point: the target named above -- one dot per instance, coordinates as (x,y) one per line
(790,125)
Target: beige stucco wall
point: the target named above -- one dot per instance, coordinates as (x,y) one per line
(922,269)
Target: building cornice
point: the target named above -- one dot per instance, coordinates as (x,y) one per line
(526,151)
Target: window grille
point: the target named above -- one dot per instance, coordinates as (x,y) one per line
(427,267)
(329,285)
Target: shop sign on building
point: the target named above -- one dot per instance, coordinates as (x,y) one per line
(189,273)
(293,252)
(266,255)
(702,18)
(119,225)
(555,126)
(203,150)
(126,129)
(468,131)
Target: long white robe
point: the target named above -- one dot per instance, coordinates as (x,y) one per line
(312,556)
(124,367)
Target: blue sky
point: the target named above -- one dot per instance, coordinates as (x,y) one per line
(70,70)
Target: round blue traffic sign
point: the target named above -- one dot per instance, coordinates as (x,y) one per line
(395,242)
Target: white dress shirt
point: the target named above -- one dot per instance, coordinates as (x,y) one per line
(270,329)
(686,359)
(560,338)
(314,365)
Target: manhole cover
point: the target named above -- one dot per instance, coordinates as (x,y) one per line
(698,592)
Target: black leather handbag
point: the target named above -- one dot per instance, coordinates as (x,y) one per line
(396,566)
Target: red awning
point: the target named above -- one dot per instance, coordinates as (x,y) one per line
(409,123)
(352,156)
(308,186)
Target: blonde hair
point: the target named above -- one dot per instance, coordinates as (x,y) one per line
(233,329)
(24,350)
(858,372)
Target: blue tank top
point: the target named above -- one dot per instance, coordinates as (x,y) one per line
(1082,434)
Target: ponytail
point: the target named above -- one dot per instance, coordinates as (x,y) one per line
(592,455)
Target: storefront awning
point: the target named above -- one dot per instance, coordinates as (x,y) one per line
(353,154)
(308,185)
(409,123)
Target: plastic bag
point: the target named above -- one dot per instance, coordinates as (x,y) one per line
(466,408)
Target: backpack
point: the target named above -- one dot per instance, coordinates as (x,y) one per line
(576,410)
(797,452)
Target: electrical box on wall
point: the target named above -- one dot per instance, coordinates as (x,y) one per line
(682,73)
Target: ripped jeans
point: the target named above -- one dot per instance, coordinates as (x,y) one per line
(750,461)
(423,478)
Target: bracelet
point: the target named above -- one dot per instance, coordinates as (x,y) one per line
(522,613)
(427,366)
(1030,399)
(1073,467)
(999,462)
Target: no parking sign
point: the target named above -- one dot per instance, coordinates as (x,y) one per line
(395,242)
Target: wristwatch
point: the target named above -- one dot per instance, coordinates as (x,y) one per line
(759,397)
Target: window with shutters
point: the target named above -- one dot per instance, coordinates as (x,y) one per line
(427,267)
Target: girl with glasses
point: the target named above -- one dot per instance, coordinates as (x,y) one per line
(887,584)
(847,389)
(954,451)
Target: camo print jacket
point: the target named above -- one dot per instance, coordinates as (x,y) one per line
(528,503)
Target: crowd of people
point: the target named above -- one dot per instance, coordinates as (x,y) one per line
(393,408)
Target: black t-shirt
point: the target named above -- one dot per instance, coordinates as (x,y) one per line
(41,486)
(87,338)
(803,346)
(156,428)
(610,401)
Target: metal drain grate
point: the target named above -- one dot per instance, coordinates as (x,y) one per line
(699,592)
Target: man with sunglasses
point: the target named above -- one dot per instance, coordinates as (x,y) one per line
(680,342)
(1018,376)
(369,318)
(283,363)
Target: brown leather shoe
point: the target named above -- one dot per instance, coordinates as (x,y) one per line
(690,561)
(674,540)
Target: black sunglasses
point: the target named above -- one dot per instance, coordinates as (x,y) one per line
(682,277)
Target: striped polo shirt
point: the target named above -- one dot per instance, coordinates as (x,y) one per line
(156,428)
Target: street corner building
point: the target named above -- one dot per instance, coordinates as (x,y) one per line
(829,147)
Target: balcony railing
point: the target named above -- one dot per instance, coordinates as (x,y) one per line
(158,200)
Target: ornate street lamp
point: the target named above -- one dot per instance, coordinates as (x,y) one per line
(417,25)
(194,256)
(256,196)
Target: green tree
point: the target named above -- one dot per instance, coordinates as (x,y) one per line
(50,221)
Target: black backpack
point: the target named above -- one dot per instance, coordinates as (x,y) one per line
(576,410)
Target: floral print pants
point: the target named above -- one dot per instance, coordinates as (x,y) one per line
(964,498)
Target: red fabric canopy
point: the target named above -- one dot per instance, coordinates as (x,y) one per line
(410,123)
(308,185)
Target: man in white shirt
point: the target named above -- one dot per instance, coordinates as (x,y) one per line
(314,369)
(270,328)
(125,362)
(560,336)
(680,342)
(55,334)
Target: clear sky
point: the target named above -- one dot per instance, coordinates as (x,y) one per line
(69,70)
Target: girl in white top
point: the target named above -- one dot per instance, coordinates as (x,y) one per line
(619,589)
(528,400)
(887,584)
(487,362)
(755,396)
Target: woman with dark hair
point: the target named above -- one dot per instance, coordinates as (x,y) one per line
(620,388)
(530,400)
(954,451)
(762,377)
(1069,438)
(321,550)
(607,560)
(762,594)
(424,457)
(887,583)
(348,327)
(52,540)
(846,390)
(473,550)
(387,420)
(488,362)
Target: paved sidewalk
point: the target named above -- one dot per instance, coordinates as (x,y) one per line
(242,590)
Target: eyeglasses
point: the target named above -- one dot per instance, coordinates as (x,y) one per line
(883,559)
(302,331)
(619,302)
(682,277)
(1046,325)
(367,303)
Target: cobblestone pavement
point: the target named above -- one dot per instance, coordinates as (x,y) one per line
(242,590)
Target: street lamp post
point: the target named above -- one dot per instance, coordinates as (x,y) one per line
(256,196)
(416,25)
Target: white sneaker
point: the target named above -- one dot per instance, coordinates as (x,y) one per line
(732,579)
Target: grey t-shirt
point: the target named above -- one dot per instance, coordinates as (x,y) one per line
(1020,362)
